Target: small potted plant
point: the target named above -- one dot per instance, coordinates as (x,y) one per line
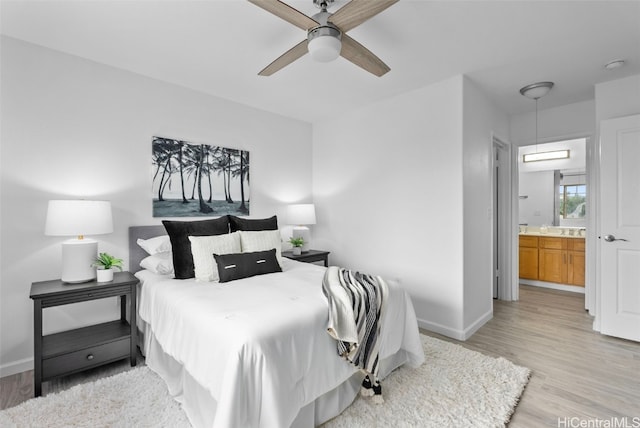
(297,245)
(106,264)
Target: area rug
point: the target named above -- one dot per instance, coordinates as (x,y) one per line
(455,387)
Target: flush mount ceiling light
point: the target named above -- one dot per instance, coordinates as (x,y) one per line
(612,65)
(542,156)
(536,90)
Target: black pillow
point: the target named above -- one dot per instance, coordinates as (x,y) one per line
(252,224)
(244,265)
(179,232)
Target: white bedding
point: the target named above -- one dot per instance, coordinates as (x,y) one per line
(259,345)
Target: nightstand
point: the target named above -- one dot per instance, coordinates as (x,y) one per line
(309,256)
(72,351)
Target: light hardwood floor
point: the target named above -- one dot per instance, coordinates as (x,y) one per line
(577,373)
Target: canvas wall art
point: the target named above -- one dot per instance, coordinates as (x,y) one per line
(198,179)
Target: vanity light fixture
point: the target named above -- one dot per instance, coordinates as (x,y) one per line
(542,156)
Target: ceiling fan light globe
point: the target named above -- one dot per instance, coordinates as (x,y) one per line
(324,48)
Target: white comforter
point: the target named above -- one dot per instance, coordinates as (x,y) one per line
(259,345)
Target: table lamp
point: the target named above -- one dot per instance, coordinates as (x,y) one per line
(302,215)
(78,218)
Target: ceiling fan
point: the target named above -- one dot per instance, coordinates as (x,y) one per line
(326,33)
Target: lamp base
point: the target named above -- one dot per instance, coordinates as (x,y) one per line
(77,257)
(304,233)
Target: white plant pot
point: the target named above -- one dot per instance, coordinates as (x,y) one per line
(297,251)
(104,275)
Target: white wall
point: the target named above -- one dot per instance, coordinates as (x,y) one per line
(73,128)
(403,188)
(387,183)
(537,208)
(618,98)
(481,120)
(568,121)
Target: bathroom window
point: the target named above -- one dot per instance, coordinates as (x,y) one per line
(573,201)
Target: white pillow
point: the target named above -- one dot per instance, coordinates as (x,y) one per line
(204,247)
(262,241)
(161,263)
(159,244)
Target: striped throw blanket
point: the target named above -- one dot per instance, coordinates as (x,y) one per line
(356,307)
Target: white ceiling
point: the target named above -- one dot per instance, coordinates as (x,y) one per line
(218,47)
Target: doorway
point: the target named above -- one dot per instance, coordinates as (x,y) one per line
(502,221)
(552,198)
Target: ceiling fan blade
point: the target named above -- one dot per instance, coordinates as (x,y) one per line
(356,12)
(286,12)
(296,52)
(362,57)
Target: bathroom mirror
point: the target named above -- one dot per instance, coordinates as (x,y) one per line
(554,192)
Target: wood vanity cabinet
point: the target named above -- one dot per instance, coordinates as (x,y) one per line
(528,257)
(576,266)
(560,260)
(553,260)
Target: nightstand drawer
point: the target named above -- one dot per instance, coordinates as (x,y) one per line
(85,358)
(84,295)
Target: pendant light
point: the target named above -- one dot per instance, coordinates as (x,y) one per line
(535,91)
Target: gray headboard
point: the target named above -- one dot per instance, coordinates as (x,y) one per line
(136,254)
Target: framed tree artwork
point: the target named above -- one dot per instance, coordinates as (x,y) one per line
(192,180)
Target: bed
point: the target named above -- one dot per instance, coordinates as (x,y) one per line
(254,352)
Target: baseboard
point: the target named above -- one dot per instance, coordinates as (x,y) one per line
(16,367)
(552,285)
(441,329)
(475,326)
(454,333)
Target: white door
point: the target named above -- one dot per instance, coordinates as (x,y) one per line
(620,227)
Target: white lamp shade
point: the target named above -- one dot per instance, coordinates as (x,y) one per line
(301,214)
(324,48)
(78,218)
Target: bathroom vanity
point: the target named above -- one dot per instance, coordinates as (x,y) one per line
(552,258)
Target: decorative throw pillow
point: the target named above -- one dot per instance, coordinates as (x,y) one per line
(253,224)
(159,244)
(204,247)
(262,241)
(179,232)
(244,265)
(160,263)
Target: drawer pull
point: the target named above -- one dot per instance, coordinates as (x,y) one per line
(90,357)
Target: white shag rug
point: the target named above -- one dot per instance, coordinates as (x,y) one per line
(455,387)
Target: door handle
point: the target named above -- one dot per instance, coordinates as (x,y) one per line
(611,238)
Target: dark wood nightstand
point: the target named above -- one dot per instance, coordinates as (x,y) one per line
(309,256)
(72,351)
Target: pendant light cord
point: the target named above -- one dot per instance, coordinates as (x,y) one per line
(537,124)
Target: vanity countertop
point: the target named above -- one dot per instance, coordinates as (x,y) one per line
(551,235)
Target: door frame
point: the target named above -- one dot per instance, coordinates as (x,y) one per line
(503,215)
(592,256)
